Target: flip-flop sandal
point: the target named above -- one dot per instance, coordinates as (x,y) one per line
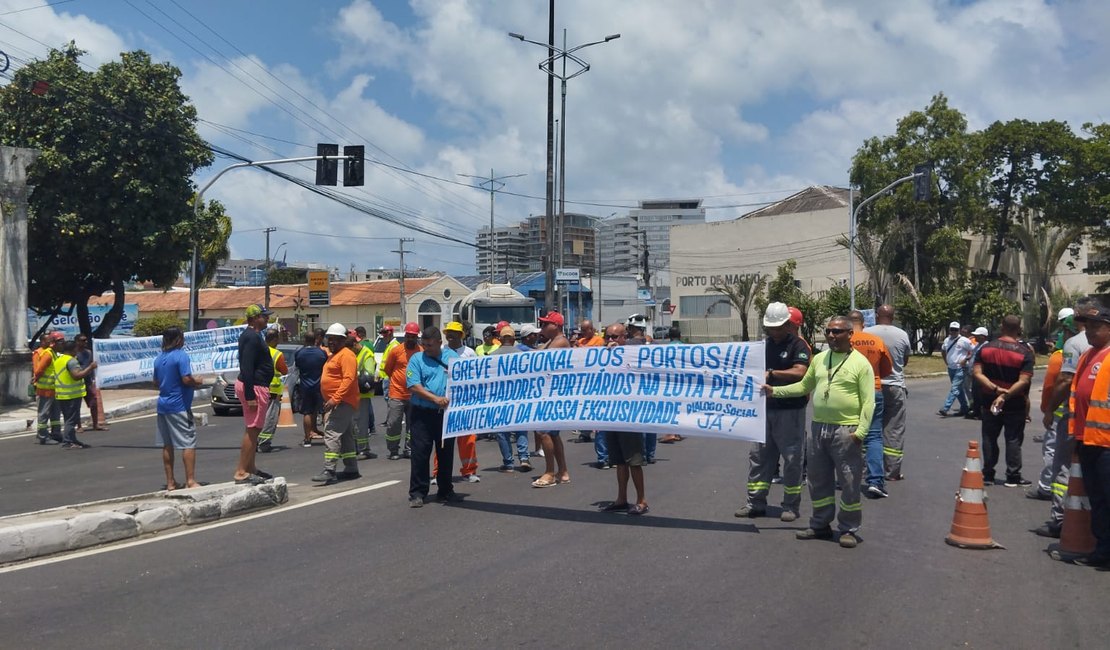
(616,507)
(562,480)
(542,483)
(250,480)
(638,510)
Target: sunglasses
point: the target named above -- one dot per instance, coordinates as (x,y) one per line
(829,331)
(614,336)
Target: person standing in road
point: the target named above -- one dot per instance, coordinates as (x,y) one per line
(467,445)
(979,337)
(588,338)
(69,390)
(626,450)
(1042,489)
(554,454)
(252,387)
(173,377)
(339,388)
(309,361)
(872,347)
(1003,372)
(843,387)
(957,353)
(636,329)
(398,418)
(367,378)
(92,393)
(277,387)
(507,439)
(1090,426)
(426,378)
(49,417)
(897,343)
(674,337)
(787,359)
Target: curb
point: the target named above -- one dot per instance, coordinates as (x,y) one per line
(142,405)
(74,527)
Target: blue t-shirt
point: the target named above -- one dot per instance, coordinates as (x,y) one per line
(310,362)
(173,395)
(429,373)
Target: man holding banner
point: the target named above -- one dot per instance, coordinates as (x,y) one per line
(554,455)
(626,449)
(426,379)
(843,387)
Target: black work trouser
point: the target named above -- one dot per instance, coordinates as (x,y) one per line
(427,433)
(1011,425)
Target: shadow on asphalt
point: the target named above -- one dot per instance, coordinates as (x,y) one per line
(595,517)
(199,447)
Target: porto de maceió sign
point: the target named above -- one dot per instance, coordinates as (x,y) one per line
(709,389)
(707,280)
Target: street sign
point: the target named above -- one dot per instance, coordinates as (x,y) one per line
(319,289)
(567,276)
(643,294)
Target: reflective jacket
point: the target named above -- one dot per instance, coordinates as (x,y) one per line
(1096,430)
(66,386)
(43,364)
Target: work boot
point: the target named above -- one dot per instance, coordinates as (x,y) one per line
(810,533)
(1048,530)
(327,477)
(848,540)
(750,512)
(265,447)
(788,516)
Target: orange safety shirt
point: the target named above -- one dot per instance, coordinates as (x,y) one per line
(42,361)
(873,348)
(396,368)
(1090,399)
(1055,362)
(596,340)
(339,381)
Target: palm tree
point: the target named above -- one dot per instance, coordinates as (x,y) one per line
(876,254)
(741,294)
(1044,246)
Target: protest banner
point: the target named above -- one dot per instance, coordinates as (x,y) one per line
(131,360)
(710,389)
(66,322)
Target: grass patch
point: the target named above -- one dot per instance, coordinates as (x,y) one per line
(920,364)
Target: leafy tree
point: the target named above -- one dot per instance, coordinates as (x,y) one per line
(112,185)
(155,325)
(742,294)
(784,288)
(1044,247)
(213,231)
(926,317)
(288,275)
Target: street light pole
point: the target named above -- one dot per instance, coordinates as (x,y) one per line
(266,280)
(854,212)
(495,184)
(548,66)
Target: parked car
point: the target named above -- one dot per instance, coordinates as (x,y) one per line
(224,401)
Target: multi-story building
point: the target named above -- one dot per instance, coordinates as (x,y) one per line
(503,253)
(521,248)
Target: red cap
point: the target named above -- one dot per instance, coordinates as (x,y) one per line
(387,328)
(795,316)
(353,334)
(501,325)
(553,317)
(56,336)
(412,328)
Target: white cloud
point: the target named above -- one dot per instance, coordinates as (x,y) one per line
(26,32)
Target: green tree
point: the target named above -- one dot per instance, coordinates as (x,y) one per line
(155,325)
(212,229)
(1044,247)
(742,294)
(288,275)
(112,187)
(784,288)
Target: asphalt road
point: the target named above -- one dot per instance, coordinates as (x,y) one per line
(515,566)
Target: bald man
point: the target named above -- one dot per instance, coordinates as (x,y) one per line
(893,389)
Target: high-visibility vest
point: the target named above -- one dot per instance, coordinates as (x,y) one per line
(46,379)
(1096,430)
(365,363)
(381,362)
(66,386)
(276,387)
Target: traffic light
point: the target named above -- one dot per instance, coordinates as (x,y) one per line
(923,182)
(327,170)
(353,165)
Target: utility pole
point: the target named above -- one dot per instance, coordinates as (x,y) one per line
(401,251)
(549,217)
(495,184)
(266,298)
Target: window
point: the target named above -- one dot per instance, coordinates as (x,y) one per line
(710,306)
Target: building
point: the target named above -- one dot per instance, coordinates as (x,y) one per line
(521,248)
(503,253)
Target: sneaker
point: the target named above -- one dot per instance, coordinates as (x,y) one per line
(367,455)
(348,475)
(434,481)
(538,452)
(1038,495)
(810,533)
(942,413)
(525,466)
(876,492)
(1048,530)
(265,476)
(602,464)
(473,478)
(265,447)
(788,516)
(394,456)
(848,540)
(506,469)
(1094,559)
(327,477)
(650,461)
(416,502)
(448,497)
(306,443)
(749,511)
(776,480)
(1017,482)
(406,454)
(989,481)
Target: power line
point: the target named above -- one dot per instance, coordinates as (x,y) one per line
(49,4)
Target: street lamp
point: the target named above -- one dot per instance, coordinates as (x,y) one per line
(548,66)
(495,184)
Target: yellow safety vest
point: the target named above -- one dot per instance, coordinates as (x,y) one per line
(381,362)
(66,387)
(46,381)
(366,363)
(276,387)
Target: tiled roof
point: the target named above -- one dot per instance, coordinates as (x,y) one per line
(376,292)
(811,199)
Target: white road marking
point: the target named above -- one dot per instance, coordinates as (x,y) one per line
(28,434)
(158,537)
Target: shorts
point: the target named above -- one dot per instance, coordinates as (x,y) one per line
(312,402)
(625,448)
(177,430)
(255,417)
(92,394)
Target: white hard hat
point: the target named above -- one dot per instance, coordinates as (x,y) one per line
(636,320)
(776,315)
(981,331)
(1064,313)
(336,329)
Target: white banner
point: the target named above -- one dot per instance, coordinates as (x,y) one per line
(711,389)
(131,360)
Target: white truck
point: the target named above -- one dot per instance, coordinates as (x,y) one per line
(492,304)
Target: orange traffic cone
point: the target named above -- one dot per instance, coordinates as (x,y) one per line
(1076,538)
(971,527)
(285,417)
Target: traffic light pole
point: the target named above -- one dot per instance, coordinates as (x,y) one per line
(198,200)
(852,227)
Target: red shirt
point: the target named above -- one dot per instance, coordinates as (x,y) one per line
(1085,383)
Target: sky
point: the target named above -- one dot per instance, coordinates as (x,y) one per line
(737,102)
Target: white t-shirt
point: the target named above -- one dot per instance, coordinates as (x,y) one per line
(465,352)
(898,345)
(956,350)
